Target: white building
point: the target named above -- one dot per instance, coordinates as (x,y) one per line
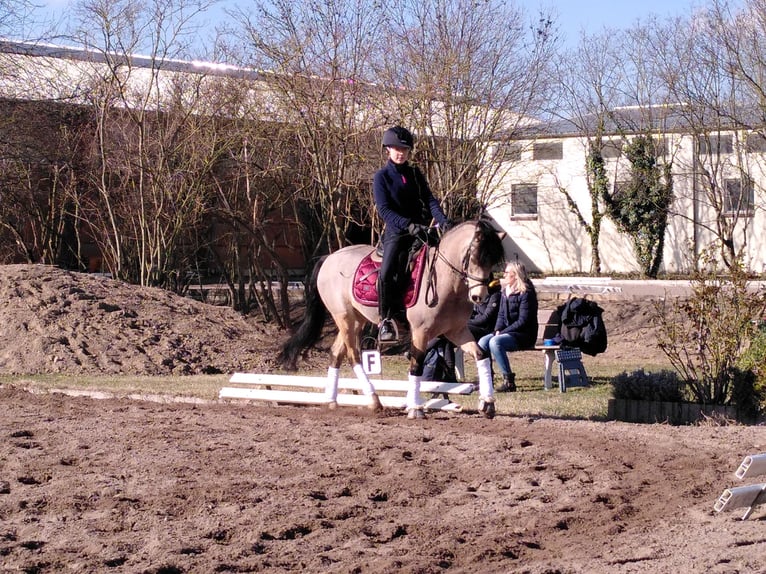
(719,173)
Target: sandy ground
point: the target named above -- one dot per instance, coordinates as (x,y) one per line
(119,485)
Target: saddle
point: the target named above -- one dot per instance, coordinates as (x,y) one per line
(365,284)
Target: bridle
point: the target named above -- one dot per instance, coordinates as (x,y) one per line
(466,277)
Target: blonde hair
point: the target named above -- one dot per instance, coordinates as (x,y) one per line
(519,281)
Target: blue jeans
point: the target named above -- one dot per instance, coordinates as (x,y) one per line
(499,346)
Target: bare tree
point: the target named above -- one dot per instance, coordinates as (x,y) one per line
(154,145)
(318,53)
(694,60)
(464,76)
(740,35)
(38,151)
(611,97)
(16,18)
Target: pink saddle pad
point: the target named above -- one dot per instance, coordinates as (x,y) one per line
(365,285)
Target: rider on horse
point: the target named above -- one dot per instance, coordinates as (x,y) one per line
(405,203)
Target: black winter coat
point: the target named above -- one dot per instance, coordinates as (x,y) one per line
(518,316)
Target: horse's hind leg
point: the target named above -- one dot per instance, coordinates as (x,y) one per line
(346,344)
(354,356)
(338,352)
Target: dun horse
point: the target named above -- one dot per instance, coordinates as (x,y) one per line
(457,272)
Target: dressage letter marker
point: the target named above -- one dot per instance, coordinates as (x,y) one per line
(371,362)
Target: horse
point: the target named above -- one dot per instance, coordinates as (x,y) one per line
(457,272)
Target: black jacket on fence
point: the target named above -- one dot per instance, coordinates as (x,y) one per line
(582,326)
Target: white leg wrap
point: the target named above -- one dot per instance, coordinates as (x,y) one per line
(413,394)
(331,386)
(367,387)
(486,389)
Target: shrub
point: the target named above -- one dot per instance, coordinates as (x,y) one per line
(663,385)
(704,335)
(750,393)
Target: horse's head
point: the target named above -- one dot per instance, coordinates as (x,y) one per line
(484,250)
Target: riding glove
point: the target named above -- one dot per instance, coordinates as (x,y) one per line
(417,230)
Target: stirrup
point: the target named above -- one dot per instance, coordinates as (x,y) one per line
(392,332)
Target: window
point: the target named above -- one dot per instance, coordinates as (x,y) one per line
(508,151)
(739,196)
(524,199)
(611,150)
(713,145)
(660,146)
(756,143)
(548,150)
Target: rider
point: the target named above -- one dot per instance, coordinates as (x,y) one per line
(405,203)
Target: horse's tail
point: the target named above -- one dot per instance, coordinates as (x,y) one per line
(310,329)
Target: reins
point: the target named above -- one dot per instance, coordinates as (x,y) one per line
(462,273)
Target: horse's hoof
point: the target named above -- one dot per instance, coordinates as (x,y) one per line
(487,407)
(416,413)
(332,405)
(375,404)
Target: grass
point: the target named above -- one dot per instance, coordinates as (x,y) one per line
(530,399)
(204,387)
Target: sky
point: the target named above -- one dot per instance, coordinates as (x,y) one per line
(594,15)
(573,16)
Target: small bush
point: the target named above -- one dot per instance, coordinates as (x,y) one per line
(751,393)
(705,334)
(663,385)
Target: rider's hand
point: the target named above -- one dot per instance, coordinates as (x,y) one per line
(417,230)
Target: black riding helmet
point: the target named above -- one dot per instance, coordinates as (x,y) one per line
(397,136)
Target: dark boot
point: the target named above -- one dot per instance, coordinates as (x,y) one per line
(509,384)
(386,330)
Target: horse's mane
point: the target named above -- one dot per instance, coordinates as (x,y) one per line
(489,249)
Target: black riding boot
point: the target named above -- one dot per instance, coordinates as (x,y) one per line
(509,384)
(387,330)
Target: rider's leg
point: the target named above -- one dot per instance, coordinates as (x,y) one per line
(389,294)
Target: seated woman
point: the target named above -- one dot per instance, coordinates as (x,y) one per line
(516,324)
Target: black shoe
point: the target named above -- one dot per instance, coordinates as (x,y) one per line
(387,331)
(509,384)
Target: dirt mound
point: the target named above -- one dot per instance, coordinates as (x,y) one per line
(54,321)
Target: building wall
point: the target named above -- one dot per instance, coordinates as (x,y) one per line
(555,241)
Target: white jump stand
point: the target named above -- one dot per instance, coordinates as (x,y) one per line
(748,496)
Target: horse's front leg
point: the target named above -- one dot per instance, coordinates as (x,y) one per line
(484,368)
(414,402)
